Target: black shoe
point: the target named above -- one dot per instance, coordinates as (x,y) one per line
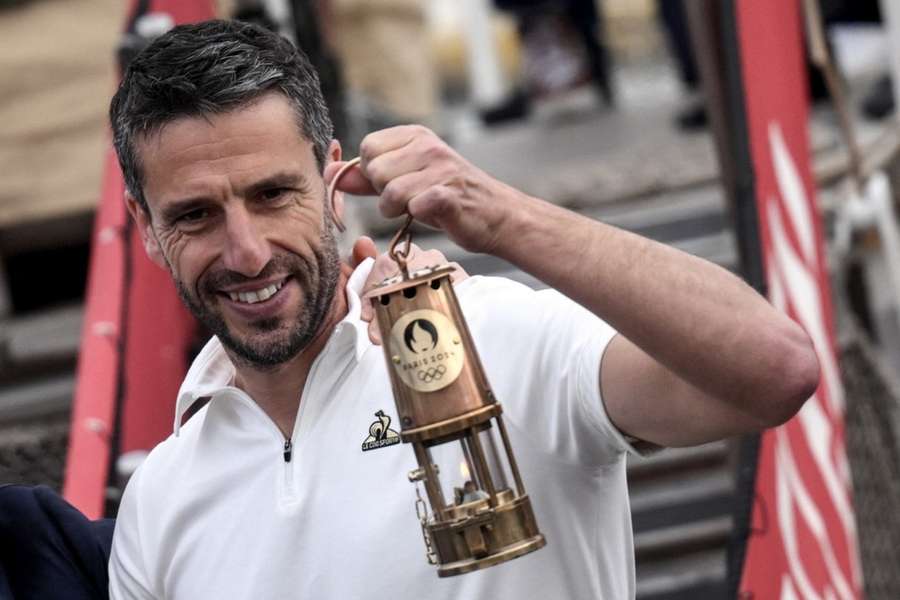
(879,100)
(692,118)
(513,108)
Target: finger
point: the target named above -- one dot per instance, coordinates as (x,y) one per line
(352,182)
(385,140)
(363,248)
(426,258)
(374,332)
(388,166)
(459,274)
(394,197)
(331,169)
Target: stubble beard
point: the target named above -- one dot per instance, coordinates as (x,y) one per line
(266,348)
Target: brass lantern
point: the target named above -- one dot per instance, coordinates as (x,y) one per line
(480,513)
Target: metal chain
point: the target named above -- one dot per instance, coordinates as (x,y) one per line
(422,514)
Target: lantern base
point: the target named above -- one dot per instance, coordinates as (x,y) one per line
(473,564)
(476,536)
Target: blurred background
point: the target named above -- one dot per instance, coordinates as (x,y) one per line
(596,106)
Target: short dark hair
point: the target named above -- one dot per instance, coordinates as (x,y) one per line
(209,68)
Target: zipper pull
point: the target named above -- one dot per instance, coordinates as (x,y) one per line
(288,447)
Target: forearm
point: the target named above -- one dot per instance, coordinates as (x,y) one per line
(694,318)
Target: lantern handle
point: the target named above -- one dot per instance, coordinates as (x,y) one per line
(333,186)
(397,254)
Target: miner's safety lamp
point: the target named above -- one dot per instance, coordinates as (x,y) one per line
(480,513)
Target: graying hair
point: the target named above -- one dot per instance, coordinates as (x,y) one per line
(210,68)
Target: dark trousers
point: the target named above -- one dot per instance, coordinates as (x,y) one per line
(48,549)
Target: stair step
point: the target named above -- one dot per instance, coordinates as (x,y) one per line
(678,459)
(32,342)
(686,576)
(45,397)
(676,540)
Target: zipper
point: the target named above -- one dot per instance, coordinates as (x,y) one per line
(287,452)
(289,492)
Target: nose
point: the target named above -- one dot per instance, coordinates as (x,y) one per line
(246,249)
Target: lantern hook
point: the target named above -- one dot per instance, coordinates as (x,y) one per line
(401,254)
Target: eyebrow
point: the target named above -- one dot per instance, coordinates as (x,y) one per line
(279,180)
(179,207)
(297,181)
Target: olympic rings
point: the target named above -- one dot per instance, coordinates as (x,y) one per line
(432,374)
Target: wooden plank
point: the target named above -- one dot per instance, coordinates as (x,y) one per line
(58,70)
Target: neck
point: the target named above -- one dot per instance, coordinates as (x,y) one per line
(277,390)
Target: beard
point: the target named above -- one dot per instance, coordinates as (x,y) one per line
(273,341)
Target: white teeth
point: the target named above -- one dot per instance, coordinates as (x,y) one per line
(252,297)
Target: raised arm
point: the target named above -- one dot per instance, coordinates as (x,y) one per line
(700,355)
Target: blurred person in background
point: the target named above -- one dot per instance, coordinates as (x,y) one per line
(563,46)
(384,49)
(674,20)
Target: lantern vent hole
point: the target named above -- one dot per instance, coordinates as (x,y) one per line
(435,284)
(409,292)
(385,300)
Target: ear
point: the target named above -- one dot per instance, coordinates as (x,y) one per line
(337,205)
(145,227)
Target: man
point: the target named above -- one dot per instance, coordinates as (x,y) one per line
(265,493)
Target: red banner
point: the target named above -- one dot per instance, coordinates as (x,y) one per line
(133,355)
(802,541)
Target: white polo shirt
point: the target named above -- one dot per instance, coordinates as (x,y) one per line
(217,512)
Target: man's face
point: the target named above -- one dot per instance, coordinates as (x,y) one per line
(237,215)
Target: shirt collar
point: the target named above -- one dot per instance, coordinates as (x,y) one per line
(212,371)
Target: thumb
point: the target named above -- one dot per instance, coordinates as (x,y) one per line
(363,248)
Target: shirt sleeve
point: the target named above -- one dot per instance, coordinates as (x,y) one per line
(542,353)
(127,573)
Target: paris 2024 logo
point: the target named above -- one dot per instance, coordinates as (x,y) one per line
(426,350)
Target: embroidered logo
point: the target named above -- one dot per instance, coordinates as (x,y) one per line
(380,433)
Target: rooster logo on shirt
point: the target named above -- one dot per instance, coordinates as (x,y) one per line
(380,433)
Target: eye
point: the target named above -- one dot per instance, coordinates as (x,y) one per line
(273,195)
(193,219)
(192,216)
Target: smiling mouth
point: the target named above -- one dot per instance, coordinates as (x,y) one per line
(254,296)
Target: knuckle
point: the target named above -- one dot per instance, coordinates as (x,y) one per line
(441,195)
(392,192)
(389,208)
(375,173)
(434,150)
(366,147)
(421,130)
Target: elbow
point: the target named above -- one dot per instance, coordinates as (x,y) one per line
(797,374)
